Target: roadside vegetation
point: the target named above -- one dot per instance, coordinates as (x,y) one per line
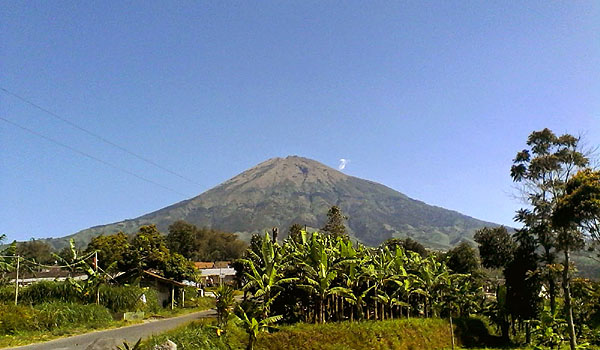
(48,309)
(380,335)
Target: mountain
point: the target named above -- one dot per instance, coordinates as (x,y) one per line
(283,191)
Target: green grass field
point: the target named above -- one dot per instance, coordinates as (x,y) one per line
(413,334)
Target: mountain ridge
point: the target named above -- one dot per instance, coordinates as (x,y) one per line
(282,191)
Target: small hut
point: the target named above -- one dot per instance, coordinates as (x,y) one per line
(165,287)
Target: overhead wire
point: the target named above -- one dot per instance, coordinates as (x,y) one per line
(79,261)
(73,149)
(33,262)
(97,136)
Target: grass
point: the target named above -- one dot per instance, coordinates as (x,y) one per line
(200,335)
(413,334)
(400,334)
(192,305)
(22,325)
(29,337)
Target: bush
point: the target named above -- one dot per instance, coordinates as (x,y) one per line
(473,332)
(122,299)
(413,334)
(152,304)
(48,291)
(14,319)
(7,294)
(50,316)
(61,315)
(128,298)
(40,292)
(115,298)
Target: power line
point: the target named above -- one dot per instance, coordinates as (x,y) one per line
(91,133)
(90,156)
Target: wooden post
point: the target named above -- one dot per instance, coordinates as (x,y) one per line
(172,297)
(17,281)
(182,297)
(451,331)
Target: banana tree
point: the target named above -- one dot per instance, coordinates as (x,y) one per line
(430,275)
(379,273)
(320,271)
(225,302)
(254,327)
(352,273)
(264,273)
(91,284)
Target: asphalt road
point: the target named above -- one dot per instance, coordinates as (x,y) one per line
(130,334)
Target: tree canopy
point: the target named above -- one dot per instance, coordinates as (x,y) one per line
(580,205)
(335,222)
(203,244)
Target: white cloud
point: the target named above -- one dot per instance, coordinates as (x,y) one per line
(343,163)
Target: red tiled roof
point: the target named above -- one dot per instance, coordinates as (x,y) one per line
(204,265)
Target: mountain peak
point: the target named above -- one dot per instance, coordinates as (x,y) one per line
(292,170)
(282,191)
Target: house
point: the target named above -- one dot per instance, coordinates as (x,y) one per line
(204,265)
(213,273)
(51,273)
(167,289)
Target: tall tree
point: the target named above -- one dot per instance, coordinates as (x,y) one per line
(544,169)
(37,250)
(496,246)
(203,244)
(463,259)
(335,222)
(517,256)
(183,239)
(148,250)
(111,250)
(580,204)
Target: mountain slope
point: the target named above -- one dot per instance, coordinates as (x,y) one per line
(283,191)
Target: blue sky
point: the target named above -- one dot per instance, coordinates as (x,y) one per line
(433,99)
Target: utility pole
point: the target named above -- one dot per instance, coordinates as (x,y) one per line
(17,282)
(98,286)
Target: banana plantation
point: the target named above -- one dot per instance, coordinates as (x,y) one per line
(318,278)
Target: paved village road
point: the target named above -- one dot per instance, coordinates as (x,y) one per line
(129,334)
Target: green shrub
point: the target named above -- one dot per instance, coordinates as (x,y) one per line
(14,319)
(115,298)
(62,315)
(48,291)
(50,316)
(121,298)
(473,332)
(152,304)
(7,294)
